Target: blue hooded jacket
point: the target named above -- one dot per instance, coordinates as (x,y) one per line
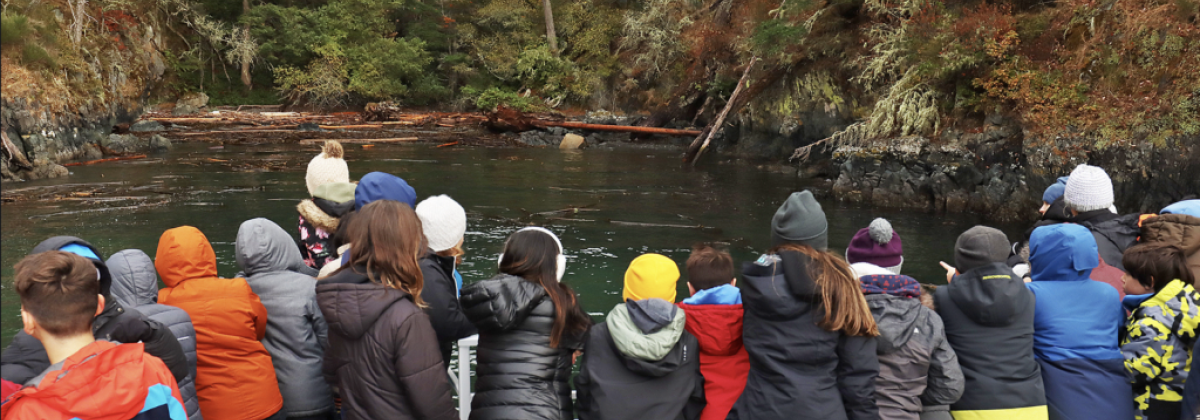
(382,186)
(1188,207)
(1076,324)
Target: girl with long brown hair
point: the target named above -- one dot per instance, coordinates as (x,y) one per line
(383,354)
(529,324)
(807,328)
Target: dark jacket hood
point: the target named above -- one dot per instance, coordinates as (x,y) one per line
(262,247)
(991,295)
(314,214)
(896,317)
(1058,212)
(500,303)
(134,281)
(783,282)
(352,303)
(58,242)
(334,208)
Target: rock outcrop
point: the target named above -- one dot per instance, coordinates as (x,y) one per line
(49,122)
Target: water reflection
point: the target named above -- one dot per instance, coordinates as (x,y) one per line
(608,206)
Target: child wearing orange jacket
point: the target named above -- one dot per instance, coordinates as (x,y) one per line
(235,379)
(87,378)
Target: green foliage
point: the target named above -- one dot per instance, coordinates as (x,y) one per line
(13,29)
(34,55)
(773,36)
(346,51)
(489,99)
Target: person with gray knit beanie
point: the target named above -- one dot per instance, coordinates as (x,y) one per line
(800,220)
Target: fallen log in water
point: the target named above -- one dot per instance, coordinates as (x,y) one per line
(361,141)
(666,225)
(114,159)
(203,120)
(618,128)
(506,119)
(343,127)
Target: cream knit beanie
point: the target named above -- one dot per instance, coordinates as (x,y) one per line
(1088,189)
(327,167)
(443,220)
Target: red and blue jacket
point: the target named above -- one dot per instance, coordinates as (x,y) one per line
(1076,324)
(102,381)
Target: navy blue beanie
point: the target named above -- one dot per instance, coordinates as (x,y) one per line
(1054,191)
(382,186)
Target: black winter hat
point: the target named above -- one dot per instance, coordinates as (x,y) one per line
(58,242)
(980,246)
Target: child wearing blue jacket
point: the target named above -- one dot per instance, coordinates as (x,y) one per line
(1076,325)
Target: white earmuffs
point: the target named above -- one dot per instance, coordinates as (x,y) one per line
(560,262)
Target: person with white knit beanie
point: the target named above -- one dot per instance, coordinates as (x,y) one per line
(1088,189)
(327,167)
(444,223)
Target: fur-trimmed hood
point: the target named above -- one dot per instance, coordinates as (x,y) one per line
(309,210)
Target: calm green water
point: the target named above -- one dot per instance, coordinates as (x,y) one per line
(133,202)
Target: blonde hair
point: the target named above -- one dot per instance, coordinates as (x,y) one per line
(845,307)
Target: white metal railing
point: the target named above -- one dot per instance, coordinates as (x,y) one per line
(462,379)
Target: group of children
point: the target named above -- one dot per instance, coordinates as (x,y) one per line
(359,320)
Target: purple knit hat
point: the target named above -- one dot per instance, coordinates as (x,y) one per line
(877,244)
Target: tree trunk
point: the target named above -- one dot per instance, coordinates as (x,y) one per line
(246,81)
(551,36)
(697,148)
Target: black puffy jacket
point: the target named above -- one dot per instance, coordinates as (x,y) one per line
(25,357)
(518,374)
(799,370)
(1113,233)
(382,355)
(441,299)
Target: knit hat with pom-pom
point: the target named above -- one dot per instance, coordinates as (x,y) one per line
(1088,189)
(877,244)
(327,167)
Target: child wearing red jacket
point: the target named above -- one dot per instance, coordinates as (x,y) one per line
(714,316)
(102,380)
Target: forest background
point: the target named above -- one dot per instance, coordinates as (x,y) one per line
(1118,73)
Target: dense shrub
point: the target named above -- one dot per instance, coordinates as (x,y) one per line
(13,29)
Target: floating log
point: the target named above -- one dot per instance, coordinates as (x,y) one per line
(203,120)
(666,225)
(114,159)
(453,143)
(219,132)
(342,127)
(361,141)
(618,128)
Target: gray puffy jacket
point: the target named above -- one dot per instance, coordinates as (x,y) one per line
(917,367)
(296,330)
(135,285)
